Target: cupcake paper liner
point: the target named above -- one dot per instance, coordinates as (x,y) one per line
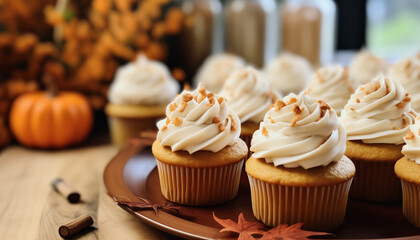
(411,202)
(122,129)
(199,186)
(319,208)
(375,181)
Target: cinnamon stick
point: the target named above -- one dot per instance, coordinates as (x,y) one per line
(66,190)
(75,226)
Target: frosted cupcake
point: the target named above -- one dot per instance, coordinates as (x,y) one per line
(289,73)
(366,66)
(376,118)
(138,97)
(249,95)
(198,151)
(333,85)
(407,72)
(298,171)
(408,171)
(216,69)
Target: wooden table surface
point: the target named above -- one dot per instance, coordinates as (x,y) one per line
(31,209)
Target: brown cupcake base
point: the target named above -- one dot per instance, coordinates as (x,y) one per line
(375,181)
(320,208)
(411,202)
(199,186)
(122,129)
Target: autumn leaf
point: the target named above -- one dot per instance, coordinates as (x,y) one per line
(244,228)
(147,204)
(292,232)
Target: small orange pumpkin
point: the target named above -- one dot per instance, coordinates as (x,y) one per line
(48,120)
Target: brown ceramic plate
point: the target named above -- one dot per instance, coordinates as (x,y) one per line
(132,173)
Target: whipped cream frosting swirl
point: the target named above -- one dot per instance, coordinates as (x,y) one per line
(289,73)
(378,112)
(365,66)
(412,139)
(249,95)
(299,131)
(407,72)
(216,69)
(199,121)
(332,85)
(143,82)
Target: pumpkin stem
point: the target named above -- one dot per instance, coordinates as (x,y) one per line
(50,85)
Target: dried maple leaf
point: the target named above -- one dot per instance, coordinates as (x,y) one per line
(147,204)
(292,232)
(244,228)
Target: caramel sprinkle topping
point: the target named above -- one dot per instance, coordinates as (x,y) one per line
(292,100)
(279,105)
(297,109)
(264,131)
(294,121)
(232,123)
(164,128)
(216,119)
(172,107)
(221,127)
(404,102)
(187,97)
(167,121)
(357,100)
(405,123)
(177,121)
(183,106)
(409,135)
(220,100)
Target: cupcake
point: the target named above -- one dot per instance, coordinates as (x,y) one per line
(216,69)
(298,171)
(138,97)
(376,118)
(408,171)
(249,95)
(332,85)
(407,72)
(198,151)
(365,66)
(288,73)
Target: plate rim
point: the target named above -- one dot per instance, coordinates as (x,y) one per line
(115,167)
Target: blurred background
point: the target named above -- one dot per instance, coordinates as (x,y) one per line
(80,43)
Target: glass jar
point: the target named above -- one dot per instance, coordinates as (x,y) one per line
(200,36)
(308,29)
(250,30)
